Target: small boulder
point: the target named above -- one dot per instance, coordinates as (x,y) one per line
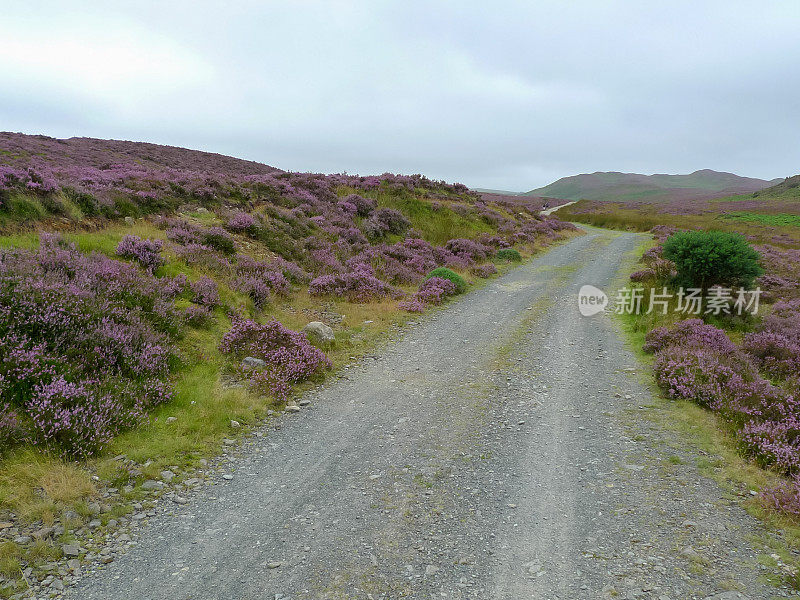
(319,334)
(71,549)
(251,362)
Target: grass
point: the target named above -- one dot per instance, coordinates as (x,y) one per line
(773,220)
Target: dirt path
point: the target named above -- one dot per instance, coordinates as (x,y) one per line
(498,451)
(550,211)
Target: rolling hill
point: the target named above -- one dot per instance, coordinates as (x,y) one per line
(623,187)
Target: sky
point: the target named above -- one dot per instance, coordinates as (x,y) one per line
(501,95)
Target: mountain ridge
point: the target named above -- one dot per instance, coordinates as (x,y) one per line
(618,186)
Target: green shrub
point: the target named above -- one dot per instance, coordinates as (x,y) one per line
(509,254)
(708,258)
(445,273)
(85,202)
(219,239)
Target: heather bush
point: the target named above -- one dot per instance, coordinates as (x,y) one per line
(219,239)
(689,333)
(384,221)
(364,206)
(196,315)
(643,275)
(289,355)
(484,270)
(242,222)
(784,497)
(707,258)
(413,304)
(469,250)
(445,273)
(205,292)
(509,254)
(86,344)
(259,280)
(359,285)
(146,252)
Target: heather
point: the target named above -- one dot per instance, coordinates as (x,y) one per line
(87,345)
(289,356)
(455,278)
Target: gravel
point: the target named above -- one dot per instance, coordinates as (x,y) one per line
(501,449)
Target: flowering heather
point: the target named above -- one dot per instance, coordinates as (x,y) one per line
(468,249)
(364,206)
(199,255)
(433,290)
(384,221)
(359,285)
(196,315)
(289,356)
(85,344)
(485,270)
(260,280)
(413,304)
(689,333)
(241,221)
(146,252)
(776,346)
(205,292)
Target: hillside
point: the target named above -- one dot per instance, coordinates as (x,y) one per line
(21,150)
(626,187)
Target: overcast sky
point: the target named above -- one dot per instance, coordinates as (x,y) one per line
(506,95)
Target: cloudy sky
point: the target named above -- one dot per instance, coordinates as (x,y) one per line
(505,95)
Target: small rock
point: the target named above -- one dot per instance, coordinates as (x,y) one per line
(167,476)
(171,420)
(293,408)
(106,558)
(251,362)
(180,500)
(73,564)
(431,570)
(129,220)
(95,523)
(227,477)
(319,334)
(152,484)
(304,402)
(235,424)
(274,564)
(71,549)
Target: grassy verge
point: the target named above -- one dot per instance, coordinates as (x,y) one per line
(716,451)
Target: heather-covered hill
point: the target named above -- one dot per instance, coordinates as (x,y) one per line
(19,149)
(627,187)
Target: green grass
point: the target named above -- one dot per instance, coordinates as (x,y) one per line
(437,225)
(773,220)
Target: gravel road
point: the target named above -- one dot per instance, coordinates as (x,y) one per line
(501,449)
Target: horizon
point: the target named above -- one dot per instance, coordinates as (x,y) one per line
(511,99)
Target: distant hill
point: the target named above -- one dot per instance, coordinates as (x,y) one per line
(20,149)
(622,187)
